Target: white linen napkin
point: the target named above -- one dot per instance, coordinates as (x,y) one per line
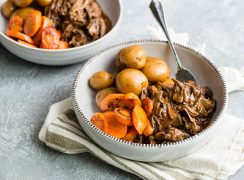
(218,159)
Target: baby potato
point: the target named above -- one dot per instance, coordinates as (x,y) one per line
(22,3)
(154,59)
(156,69)
(8,8)
(131,81)
(169,83)
(101,80)
(103,93)
(133,57)
(23,12)
(43,3)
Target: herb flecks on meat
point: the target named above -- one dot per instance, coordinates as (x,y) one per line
(179,110)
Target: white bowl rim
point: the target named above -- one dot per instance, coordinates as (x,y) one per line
(171,144)
(73,48)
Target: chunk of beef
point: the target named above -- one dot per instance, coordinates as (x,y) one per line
(81,21)
(171,134)
(182,108)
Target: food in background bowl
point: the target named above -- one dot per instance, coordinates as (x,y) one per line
(112,8)
(61,26)
(80,21)
(151,107)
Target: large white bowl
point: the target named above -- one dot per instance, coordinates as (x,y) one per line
(114,10)
(205,72)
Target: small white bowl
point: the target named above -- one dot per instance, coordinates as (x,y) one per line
(114,10)
(206,75)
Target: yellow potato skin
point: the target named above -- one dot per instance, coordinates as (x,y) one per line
(23,12)
(169,83)
(133,57)
(22,3)
(131,81)
(8,8)
(101,80)
(43,3)
(156,69)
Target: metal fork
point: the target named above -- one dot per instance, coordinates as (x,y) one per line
(182,74)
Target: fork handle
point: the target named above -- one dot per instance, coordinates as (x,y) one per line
(157,10)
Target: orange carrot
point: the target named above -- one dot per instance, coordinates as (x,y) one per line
(63,45)
(139,118)
(132,100)
(115,128)
(33,23)
(26,43)
(148,130)
(123,116)
(50,38)
(147,105)
(100,122)
(131,134)
(38,38)
(15,24)
(46,22)
(112,101)
(20,36)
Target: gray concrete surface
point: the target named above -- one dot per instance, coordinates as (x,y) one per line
(27,90)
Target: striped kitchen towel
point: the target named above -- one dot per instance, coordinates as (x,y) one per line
(218,159)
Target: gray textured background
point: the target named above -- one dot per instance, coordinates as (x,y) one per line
(27,90)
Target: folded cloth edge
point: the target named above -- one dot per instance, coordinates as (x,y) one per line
(63,105)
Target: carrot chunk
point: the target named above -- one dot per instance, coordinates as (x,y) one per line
(131,134)
(50,38)
(123,116)
(33,23)
(131,100)
(139,118)
(26,43)
(112,101)
(15,24)
(21,36)
(115,128)
(148,130)
(100,122)
(63,45)
(46,22)
(147,105)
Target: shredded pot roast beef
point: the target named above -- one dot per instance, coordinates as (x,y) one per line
(179,110)
(81,21)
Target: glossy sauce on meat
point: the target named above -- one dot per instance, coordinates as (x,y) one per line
(179,111)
